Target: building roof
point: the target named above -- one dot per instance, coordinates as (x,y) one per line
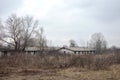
(78,48)
(38,49)
(32,49)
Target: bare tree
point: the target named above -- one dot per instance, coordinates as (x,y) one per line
(28,27)
(98,42)
(41,39)
(1,32)
(72,43)
(13,28)
(19,30)
(1,28)
(31,42)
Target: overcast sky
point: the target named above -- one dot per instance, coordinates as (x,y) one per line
(70,19)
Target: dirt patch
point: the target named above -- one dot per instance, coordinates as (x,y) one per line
(4,74)
(31,72)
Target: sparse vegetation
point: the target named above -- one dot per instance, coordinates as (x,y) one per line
(52,65)
(92,61)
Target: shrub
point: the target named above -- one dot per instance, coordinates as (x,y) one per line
(53,61)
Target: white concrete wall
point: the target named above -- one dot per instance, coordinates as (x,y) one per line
(66,51)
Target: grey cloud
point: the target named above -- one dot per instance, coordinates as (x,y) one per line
(102,10)
(7,6)
(77,18)
(107,10)
(79,3)
(84,17)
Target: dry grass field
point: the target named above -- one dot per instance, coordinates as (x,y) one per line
(62,74)
(96,67)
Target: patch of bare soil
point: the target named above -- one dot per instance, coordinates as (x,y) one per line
(31,72)
(27,74)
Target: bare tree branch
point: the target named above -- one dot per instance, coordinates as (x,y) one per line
(98,42)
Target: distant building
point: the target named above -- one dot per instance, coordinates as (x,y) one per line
(37,50)
(77,50)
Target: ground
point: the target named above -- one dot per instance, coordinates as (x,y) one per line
(113,73)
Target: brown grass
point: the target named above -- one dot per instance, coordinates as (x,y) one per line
(94,62)
(60,67)
(65,74)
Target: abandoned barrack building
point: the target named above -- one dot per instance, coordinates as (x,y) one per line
(37,50)
(77,50)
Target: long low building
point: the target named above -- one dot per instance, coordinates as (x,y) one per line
(28,50)
(77,50)
(37,50)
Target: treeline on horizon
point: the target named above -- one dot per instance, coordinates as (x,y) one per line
(19,32)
